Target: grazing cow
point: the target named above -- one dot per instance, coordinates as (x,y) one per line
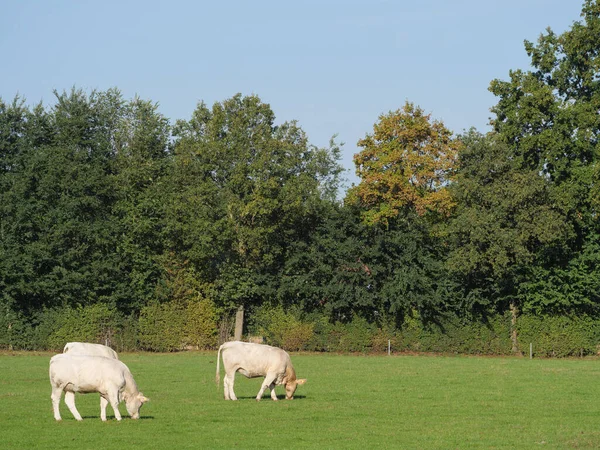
(257,360)
(85,348)
(83,373)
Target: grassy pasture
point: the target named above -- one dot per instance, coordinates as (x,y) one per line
(420,402)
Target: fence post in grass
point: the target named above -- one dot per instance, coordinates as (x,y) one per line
(531,350)
(389,347)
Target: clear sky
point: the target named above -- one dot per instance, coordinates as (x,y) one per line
(333,65)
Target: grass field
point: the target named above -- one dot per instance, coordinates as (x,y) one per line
(404,402)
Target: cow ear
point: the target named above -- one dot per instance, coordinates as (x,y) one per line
(301,381)
(143,399)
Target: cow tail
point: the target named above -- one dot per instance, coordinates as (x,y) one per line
(218,375)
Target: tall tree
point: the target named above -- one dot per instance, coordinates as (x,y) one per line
(142,163)
(21,131)
(404,165)
(349,269)
(254,186)
(505,221)
(548,117)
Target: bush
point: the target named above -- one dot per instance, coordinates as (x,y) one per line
(201,325)
(559,336)
(356,336)
(453,335)
(161,327)
(96,323)
(282,329)
(15,332)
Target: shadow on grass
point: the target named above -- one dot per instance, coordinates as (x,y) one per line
(268,397)
(112,418)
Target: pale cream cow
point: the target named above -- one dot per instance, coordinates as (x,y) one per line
(86,348)
(257,360)
(84,374)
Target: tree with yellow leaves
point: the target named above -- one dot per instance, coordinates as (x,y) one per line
(406,164)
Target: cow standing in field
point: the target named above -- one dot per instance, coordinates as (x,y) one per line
(85,348)
(84,374)
(257,360)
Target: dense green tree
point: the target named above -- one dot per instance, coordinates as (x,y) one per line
(20,131)
(506,220)
(549,116)
(60,248)
(81,208)
(143,161)
(243,189)
(378,273)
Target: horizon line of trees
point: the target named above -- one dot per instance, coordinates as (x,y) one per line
(104,201)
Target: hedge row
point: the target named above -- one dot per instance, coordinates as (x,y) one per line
(176,326)
(162,327)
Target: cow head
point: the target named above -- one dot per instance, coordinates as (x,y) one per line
(290,387)
(134,403)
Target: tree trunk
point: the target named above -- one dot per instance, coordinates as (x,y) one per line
(514,312)
(239,323)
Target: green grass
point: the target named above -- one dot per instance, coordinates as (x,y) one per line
(405,402)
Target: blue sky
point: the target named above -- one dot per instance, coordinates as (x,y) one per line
(333,65)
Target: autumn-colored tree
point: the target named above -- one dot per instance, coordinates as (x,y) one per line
(405,164)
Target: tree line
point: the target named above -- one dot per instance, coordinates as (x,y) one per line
(104,201)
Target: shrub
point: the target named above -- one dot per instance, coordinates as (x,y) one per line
(559,336)
(161,326)
(455,335)
(201,325)
(94,323)
(355,336)
(282,329)
(15,332)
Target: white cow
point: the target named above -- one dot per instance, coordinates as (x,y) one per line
(257,360)
(83,373)
(85,348)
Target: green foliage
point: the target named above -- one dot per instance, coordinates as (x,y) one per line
(243,189)
(559,336)
(354,336)
(162,326)
(15,332)
(453,335)
(282,329)
(95,323)
(573,288)
(505,221)
(177,324)
(548,119)
(201,324)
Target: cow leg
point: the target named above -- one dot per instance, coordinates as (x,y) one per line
(228,386)
(103,404)
(269,381)
(113,399)
(273,394)
(56,394)
(70,401)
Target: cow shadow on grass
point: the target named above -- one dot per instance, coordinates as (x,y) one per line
(109,418)
(267,397)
